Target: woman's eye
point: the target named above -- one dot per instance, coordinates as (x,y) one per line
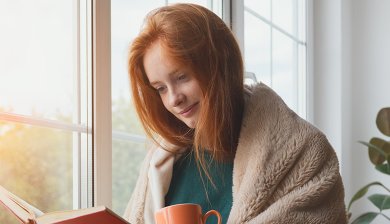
(182,77)
(160,89)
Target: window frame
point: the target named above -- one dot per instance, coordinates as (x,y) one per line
(101,88)
(237,24)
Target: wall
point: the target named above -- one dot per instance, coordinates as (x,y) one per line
(350,82)
(370,80)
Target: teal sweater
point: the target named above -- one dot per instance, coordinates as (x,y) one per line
(186,186)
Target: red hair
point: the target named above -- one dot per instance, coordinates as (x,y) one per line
(196,38)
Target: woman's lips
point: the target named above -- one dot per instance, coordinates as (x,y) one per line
(189,110)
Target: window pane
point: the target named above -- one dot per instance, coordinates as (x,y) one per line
(214,5)
(128,157)
(36,164)
(262,7)
(257,48)
(284,68)
(284,15)
(199,2)
(43,84)
(276,46)
(37,45)
(126,20)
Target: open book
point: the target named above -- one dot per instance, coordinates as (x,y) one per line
(28,214)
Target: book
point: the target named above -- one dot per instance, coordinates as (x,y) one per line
(28,214)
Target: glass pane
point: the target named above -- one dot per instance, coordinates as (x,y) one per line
(36,165)
(284,15)
(284,68)
(199,2)
(214,5)
(128,158)
(37,45)
(126,21)
(262,7)
(257,48)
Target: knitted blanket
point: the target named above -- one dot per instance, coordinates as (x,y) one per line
(285,170)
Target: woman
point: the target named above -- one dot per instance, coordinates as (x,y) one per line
(239,150)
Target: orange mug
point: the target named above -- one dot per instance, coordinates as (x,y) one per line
(184,213)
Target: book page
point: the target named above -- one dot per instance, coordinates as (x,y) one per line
(94,215)
(28,214)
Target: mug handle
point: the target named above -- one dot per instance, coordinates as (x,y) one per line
(212,212)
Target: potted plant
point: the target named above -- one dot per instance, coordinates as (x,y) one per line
(379,154)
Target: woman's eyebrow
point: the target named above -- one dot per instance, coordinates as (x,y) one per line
(169,74)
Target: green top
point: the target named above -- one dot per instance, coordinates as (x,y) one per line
(186,186)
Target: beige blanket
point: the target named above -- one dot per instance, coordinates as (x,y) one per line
(285,170)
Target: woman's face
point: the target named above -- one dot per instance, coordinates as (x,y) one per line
(179,90)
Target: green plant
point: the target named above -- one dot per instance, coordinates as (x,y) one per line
(379,154)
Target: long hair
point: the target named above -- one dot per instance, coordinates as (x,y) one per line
(194,37)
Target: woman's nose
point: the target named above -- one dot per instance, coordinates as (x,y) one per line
(175,98)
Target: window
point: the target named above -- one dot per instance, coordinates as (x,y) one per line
(54,92)
(44,103)
(275,47)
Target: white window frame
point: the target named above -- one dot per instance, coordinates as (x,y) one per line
(102,124)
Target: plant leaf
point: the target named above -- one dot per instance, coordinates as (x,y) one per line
(374,147)
(381,201)
(383,121)
(376,157)
(383,168)
(360,193)
(365,218)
